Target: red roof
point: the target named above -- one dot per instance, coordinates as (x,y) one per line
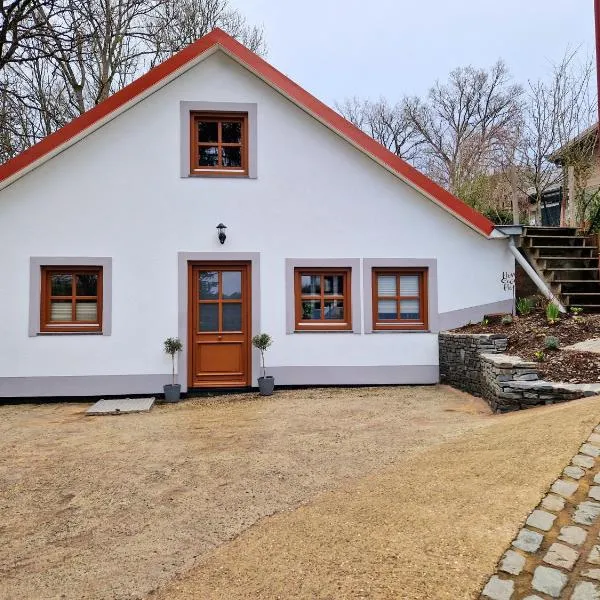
(56,141)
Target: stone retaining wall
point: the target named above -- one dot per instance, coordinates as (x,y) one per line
(476,364)
(460,359)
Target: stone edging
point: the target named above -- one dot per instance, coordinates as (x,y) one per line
(476,363)
(557,553)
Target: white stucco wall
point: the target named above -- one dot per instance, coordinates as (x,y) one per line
(118,193)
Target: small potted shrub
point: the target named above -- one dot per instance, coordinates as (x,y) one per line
(173,391)
(266,383)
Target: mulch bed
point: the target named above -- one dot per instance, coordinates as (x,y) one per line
(526,335)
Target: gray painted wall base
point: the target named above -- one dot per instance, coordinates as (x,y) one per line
(473,314)
(90,385)
(370,375)
(116,385)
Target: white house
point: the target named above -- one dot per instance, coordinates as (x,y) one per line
(350,258)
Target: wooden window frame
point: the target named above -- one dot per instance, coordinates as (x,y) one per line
(323,324)
(400,324)
(47,326)
(219,118)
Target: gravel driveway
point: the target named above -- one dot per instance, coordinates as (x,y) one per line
(116,507)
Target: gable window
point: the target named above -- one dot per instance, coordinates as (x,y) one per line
(219,143)
(71,299)
(399,299)
(322,299)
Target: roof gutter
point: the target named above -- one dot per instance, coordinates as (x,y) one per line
(511,232)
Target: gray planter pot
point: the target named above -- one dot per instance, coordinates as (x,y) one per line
(266,385)
(172,393)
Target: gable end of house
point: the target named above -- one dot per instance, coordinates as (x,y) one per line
(167,71)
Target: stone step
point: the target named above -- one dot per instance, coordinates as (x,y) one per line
(580,282)
(537,230)
(567,258)
(562,251)
(588,307)
(555,238)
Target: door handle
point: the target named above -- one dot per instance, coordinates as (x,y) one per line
(219,337)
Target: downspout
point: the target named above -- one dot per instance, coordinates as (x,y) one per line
(539,282)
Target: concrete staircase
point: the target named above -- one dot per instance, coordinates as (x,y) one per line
(567,262)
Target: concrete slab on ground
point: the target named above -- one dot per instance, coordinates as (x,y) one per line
(592,345)
(121,406)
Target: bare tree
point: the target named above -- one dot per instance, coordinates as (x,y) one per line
(177,23)
(556,113)
(20,29)
(85,50)
(464,122)
(388,124)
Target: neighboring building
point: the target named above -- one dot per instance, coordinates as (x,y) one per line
(551,209)
(583,148)
(350,258)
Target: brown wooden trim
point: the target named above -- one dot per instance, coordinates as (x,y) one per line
(192,322)
(323,324)
(46,299)
(410,324)
(219,118)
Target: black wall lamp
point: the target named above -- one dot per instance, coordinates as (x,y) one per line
(221,229)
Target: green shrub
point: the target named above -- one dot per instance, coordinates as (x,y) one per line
(551,343)
(552,312)
(525,306)
(506,320)
(576,310)
(539,356)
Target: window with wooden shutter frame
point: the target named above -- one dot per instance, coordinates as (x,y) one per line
(399,299)
(323,300)
(219,144)
(71,299)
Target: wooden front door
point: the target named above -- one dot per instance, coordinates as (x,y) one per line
(219,316)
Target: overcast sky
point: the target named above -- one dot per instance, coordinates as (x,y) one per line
(341,48)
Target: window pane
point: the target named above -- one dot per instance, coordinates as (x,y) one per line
(231,132)
(209,285)
(232,317)
(232,284)
(208,131)
(386,285)
(311,285)
(86,310)
(60,310)
(334,284)
(409,309)
(311,310)
(409,285)
(387,310)
(208,156)
(334,309)
(87,285)
(231,156)
(62,285)
(209,317)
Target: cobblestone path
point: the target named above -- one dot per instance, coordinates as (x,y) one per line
(557,553)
